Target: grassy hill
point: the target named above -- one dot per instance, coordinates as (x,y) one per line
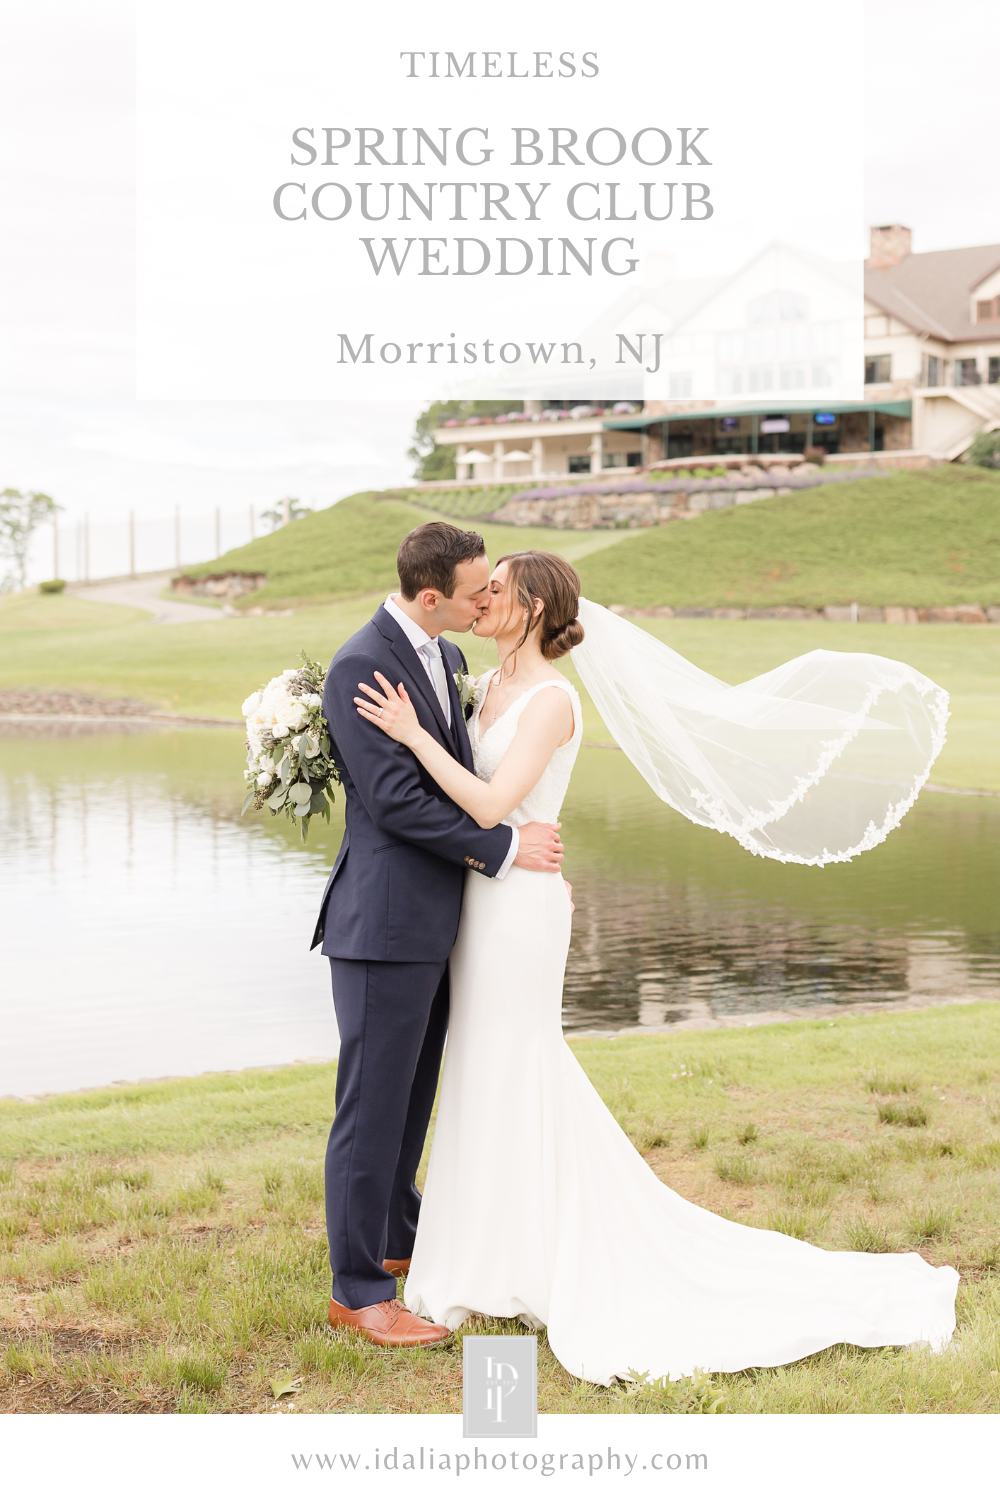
(924,537)
(350,549)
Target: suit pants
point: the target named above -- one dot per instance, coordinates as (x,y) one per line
(393,1018)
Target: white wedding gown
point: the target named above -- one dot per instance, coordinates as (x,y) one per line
(537,1205)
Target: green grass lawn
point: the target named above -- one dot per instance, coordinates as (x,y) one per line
(918,538)
(350,549)
(208,668)
(162,1245)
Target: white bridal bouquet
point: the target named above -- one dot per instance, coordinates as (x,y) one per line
(289,764)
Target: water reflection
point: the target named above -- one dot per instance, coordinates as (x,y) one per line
(148,931)
(146,934)
(676,925)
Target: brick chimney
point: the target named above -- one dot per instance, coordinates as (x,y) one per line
(889,245)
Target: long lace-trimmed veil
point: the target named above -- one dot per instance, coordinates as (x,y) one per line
(809,764)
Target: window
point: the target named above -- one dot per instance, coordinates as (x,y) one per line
(933,370)
(966,372)
(777,306)
(579,463)
(825,373)
(680,385)
(993,370)
(988,312)
(761,377)
(633,460)
(877,369)
(792,378)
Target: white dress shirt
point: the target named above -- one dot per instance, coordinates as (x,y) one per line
(418,637)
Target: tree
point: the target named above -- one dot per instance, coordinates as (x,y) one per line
(433,462)
(20,517)
(286,510)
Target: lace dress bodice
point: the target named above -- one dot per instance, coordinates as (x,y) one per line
(543,802)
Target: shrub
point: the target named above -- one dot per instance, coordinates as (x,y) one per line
(985,451)
(52,586)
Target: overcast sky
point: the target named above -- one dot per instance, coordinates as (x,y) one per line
(68,423)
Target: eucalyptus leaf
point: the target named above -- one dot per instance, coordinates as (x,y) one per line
(300,792)
(277,799)
(246,804)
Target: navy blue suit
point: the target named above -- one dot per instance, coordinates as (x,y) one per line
(387,923)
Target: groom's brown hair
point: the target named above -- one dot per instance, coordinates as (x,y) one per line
(429,556)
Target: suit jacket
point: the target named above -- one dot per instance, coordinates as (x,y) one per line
(395,891)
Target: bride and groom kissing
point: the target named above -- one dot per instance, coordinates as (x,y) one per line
(446,915)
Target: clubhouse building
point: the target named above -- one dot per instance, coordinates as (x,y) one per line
(931,349)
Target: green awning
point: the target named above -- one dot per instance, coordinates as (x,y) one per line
(789,409)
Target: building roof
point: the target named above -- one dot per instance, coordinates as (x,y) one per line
(931,292)
(748,409)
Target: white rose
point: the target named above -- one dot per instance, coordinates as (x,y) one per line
(295,715)
(279,731)
(313,699)
(251,705)
(265,778)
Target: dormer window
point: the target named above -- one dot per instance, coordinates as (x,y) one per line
(988,311)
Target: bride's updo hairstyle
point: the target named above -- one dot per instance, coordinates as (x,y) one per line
(546,576)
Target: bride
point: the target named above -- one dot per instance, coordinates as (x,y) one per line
(536,1204)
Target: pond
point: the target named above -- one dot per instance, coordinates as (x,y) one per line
(148,931)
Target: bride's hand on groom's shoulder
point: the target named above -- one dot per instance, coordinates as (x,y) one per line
(390,709)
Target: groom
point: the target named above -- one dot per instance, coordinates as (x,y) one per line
(389,918)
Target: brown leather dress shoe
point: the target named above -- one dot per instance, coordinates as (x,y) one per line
(389,1323)
(396,1267)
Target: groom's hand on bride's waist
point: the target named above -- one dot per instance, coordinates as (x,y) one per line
(539,847)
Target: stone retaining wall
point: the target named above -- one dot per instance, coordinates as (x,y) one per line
(632,503)
(217,585)
(862,614)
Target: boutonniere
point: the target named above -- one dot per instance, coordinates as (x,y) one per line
(468,692)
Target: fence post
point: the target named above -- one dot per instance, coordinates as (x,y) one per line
(131,543)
